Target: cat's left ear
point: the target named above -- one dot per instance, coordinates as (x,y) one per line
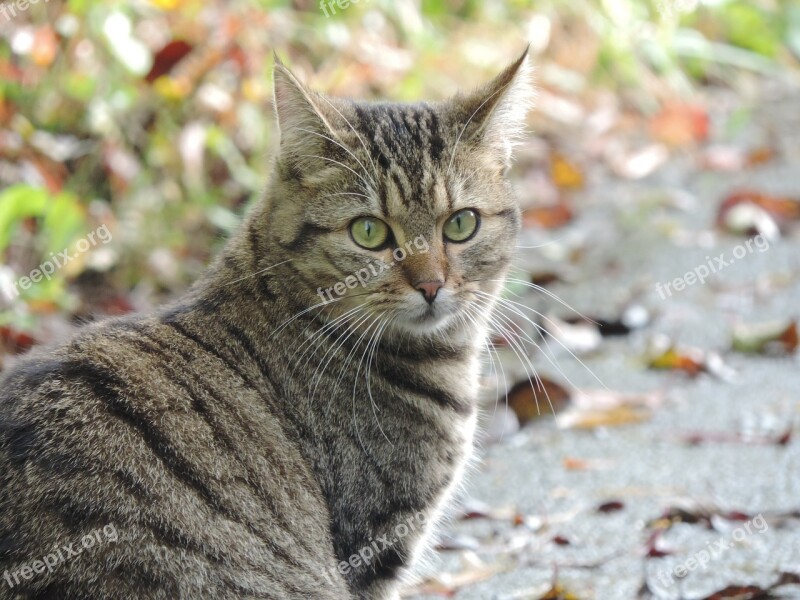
(305,118)
(494,115)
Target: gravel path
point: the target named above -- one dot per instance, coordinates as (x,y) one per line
(717,454)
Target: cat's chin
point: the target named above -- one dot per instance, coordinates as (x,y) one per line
(429,321)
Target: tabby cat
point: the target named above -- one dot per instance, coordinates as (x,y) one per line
(295,425)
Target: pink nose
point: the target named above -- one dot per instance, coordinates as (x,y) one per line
(429,289)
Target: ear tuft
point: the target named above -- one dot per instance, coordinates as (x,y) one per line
(495,113)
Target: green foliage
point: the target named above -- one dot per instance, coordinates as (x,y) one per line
(61,221)
(175,158)
(61,215)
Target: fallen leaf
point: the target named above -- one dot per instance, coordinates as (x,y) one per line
(733,218)
(694,513)
(673,360)
(724,437)
(612,506)
(722,157)
(548,217)
(614,417)
(529,399)
(612,328)
(752,592)
(561,541)
(680,124)
(775,338)
(736,592)
(475,509)
(603,408)
(576,464)
(587,464)
(788,579)
(166,58)
(759,156)
(14,341)
(565,174)
(558,592)
(633,317)
(545,278)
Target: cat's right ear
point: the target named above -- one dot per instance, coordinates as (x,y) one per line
(304,117)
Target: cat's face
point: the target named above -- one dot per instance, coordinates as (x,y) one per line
(399,216)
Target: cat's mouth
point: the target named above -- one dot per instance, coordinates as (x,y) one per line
(430,317)
(431,312)
(421,318)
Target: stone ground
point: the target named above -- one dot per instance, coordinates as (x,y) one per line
(535,493)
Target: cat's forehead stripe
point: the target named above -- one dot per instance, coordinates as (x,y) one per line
(406,141)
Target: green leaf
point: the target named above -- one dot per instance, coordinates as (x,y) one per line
(63,222)
(19,202)
(62,216)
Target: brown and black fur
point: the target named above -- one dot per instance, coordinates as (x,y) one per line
(242,442)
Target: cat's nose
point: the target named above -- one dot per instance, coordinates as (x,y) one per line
(429,289)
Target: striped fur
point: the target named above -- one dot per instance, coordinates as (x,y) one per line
(247,439)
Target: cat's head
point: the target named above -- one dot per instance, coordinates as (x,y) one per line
(398,213)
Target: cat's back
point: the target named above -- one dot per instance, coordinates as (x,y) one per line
(134,427)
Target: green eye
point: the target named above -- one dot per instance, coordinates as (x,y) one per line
(369,233)
(461,226)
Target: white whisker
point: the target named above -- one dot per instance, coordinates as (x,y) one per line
(360,139)
(472,116)
(343,147)
(257,273)
(510,304)
(341,164)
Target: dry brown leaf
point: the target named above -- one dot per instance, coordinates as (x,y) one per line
(680,124)
(591,419)
(573,463)
(548,217)
(782,210)
(565,173)
(530,399)
(759,156)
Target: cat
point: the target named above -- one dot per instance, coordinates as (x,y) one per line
(295,426)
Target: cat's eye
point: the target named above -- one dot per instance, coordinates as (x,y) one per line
(461,226)
(369,233)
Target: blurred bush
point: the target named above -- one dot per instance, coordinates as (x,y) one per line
(154,117)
